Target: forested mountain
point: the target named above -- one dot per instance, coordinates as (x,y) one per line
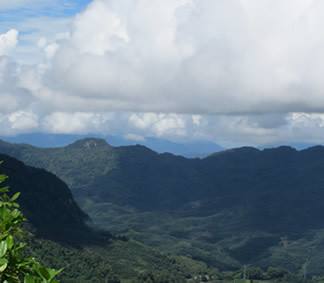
(59,236)
(188,149)
(240,206)
(46,200)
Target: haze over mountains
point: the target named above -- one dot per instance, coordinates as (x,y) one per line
(240,206)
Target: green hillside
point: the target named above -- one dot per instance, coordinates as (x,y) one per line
(241,206)
(60,237)
(46,200)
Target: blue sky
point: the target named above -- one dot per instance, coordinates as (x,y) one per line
(54,8)
(35,19)
(14,16)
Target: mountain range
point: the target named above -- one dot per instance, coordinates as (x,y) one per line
(235,207)
(60,236)
(189,149)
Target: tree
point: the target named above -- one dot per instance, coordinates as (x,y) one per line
(254,273)
(15,266)
(275,273)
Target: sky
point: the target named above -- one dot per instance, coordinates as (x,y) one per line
(235,72)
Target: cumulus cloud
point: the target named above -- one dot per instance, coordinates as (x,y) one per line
(159,124)
(21,120)
(13,97)
(190,56)
(240,71)
(62,122)
(8,41)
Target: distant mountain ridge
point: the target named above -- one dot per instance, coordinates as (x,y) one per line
(231,208)
(188,149)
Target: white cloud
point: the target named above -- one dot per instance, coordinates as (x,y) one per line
(159,124)
(237,71)
(61,122)
(36,33)
(189,56)
(23,121)
(134,137)
(51,49)
(98,30)
(8,41)
(12,96)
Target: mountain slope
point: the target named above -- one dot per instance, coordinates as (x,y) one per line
(240,206)
(46,200)
(61,238)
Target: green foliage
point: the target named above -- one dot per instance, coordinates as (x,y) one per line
(15,266)
(159,277)
(119,261)
(276,273)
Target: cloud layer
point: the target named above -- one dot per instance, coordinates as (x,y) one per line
(247,71)
(190,56)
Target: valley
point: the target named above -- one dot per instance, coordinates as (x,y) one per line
(238,207)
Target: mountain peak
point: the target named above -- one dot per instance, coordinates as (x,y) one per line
(90,143)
